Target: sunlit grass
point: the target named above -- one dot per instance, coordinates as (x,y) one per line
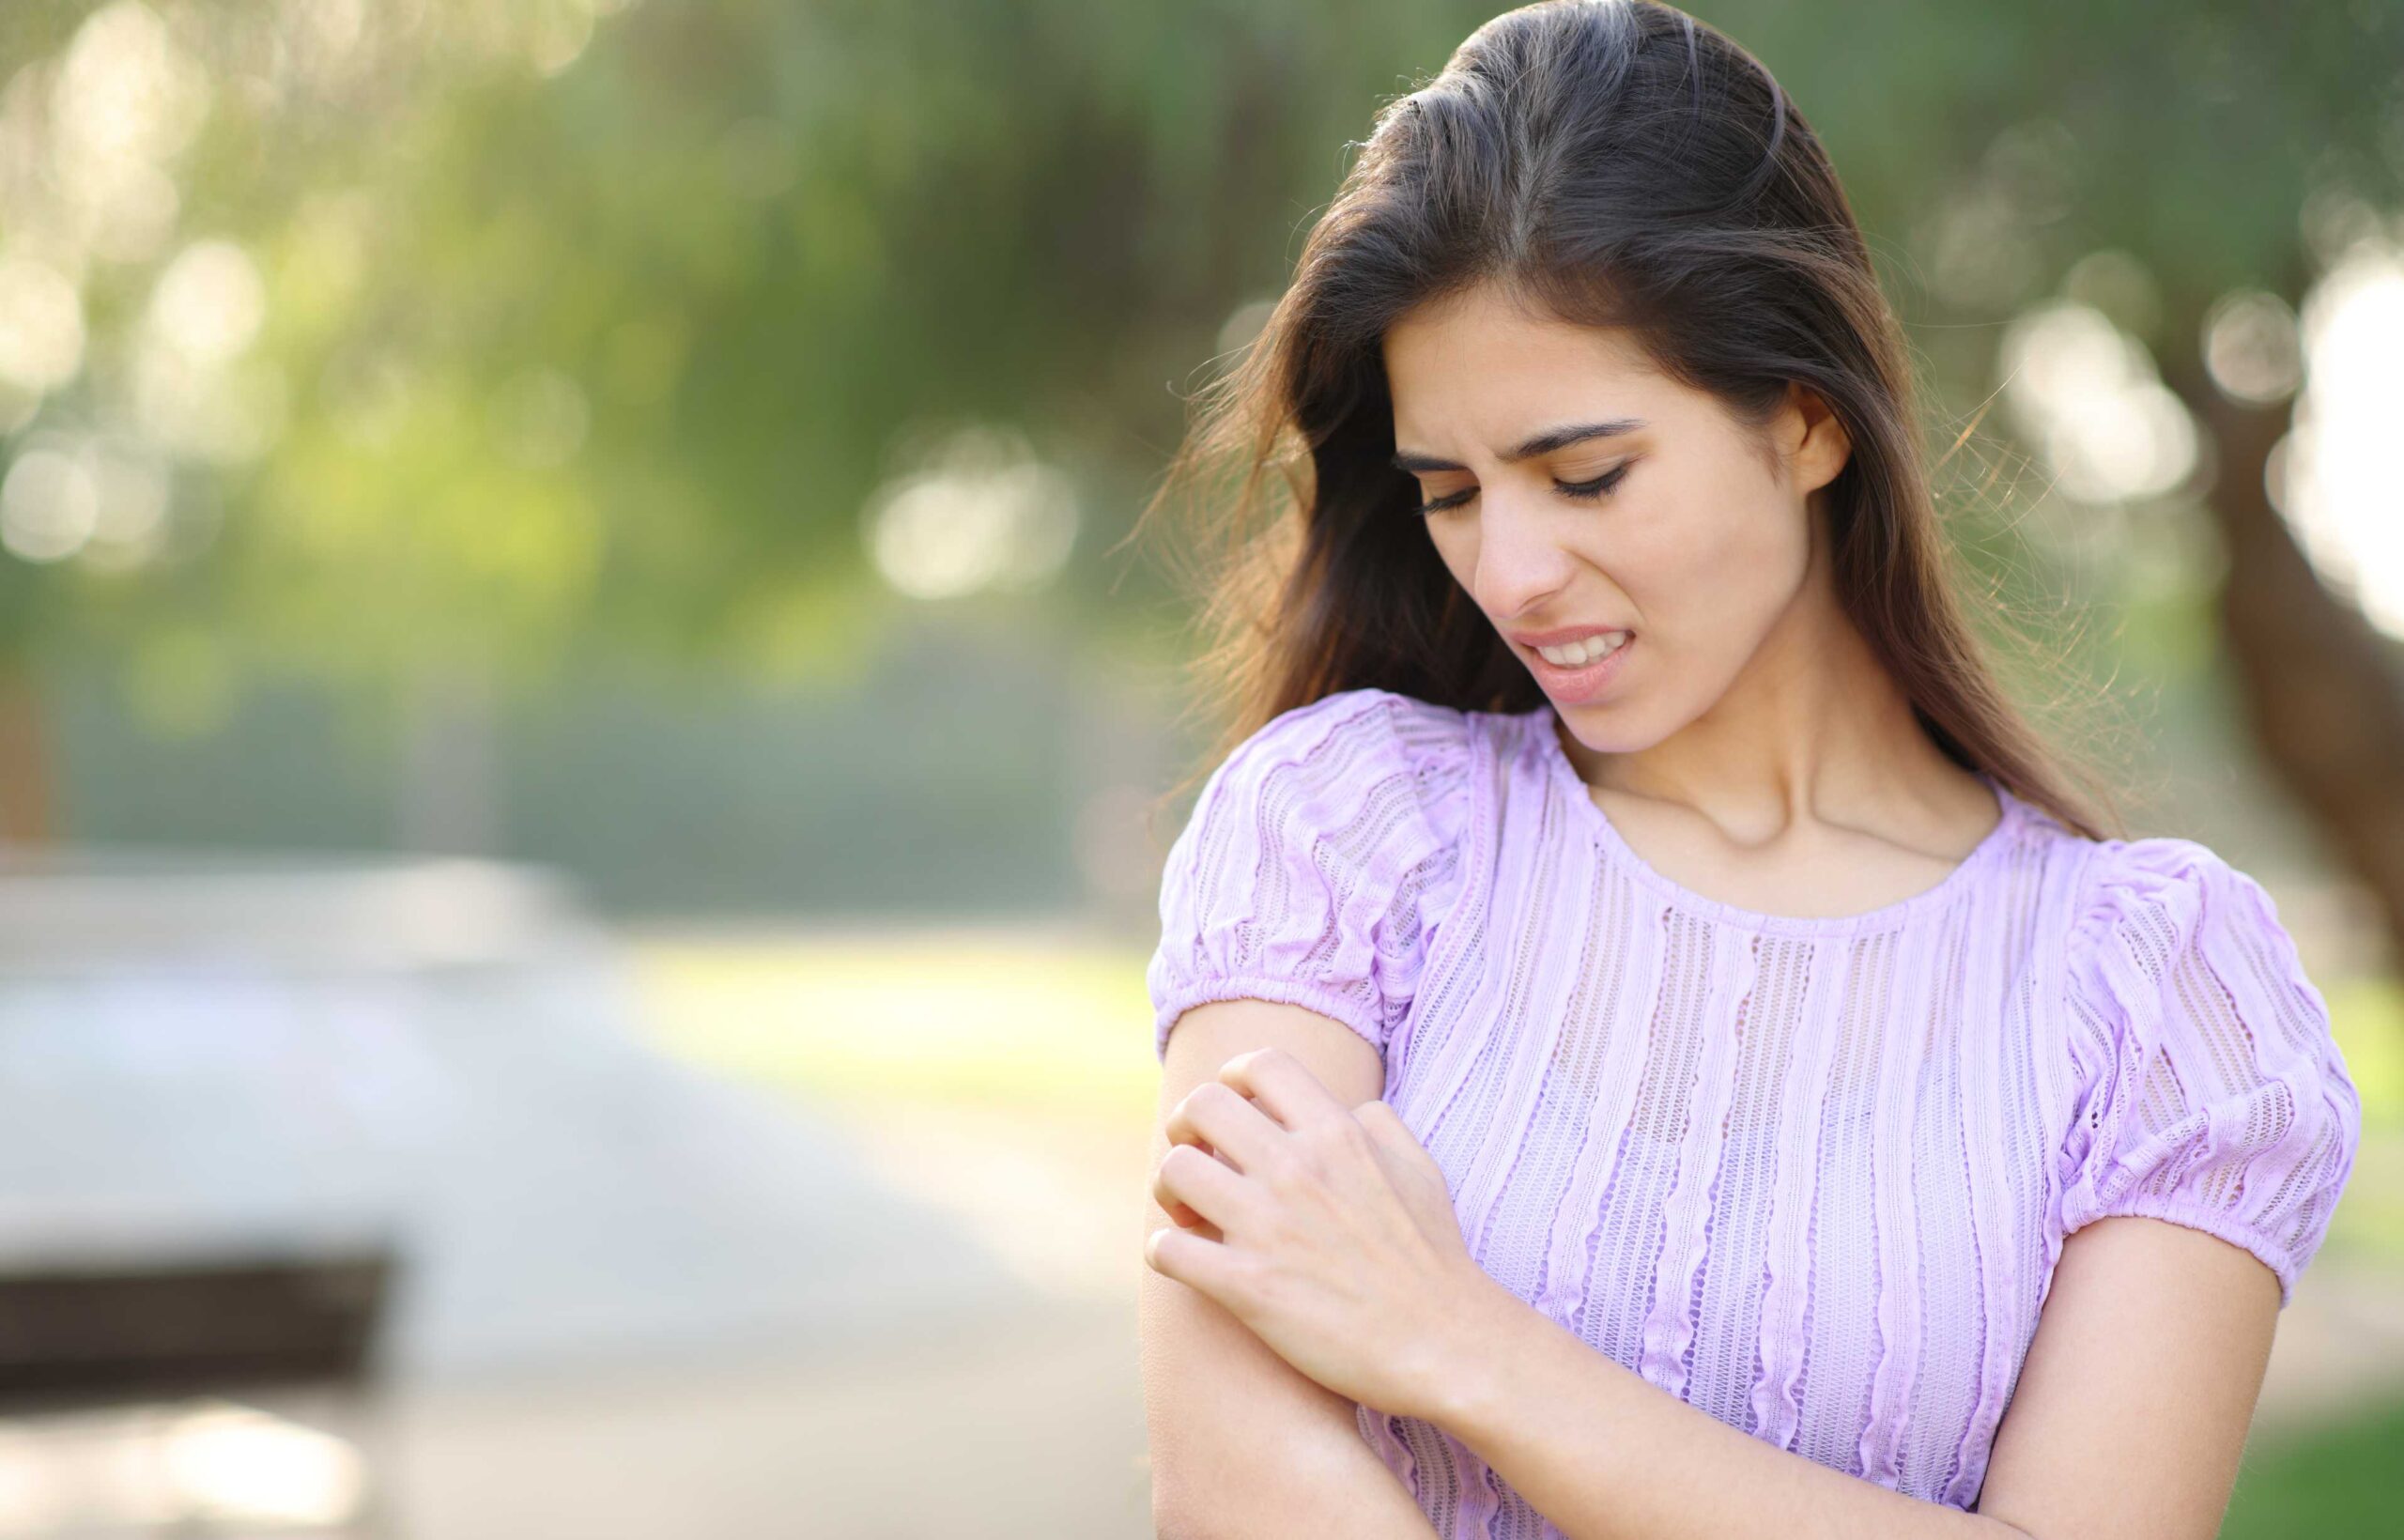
(1058,1025)
(2366,1014)
(997,1015)
(2340,1479)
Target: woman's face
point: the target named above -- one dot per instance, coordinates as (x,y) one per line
(1580,493)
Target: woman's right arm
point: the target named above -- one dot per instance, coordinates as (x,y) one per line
(1243,1443)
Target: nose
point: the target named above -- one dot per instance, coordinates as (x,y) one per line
(1521,562)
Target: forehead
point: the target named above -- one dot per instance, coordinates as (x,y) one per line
(1477,361)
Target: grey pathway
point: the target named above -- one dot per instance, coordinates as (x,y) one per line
(197,1060)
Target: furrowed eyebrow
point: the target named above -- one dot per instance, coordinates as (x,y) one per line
(1543,443)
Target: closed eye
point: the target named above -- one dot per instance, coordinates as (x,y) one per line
(1586,491)
(1595,488)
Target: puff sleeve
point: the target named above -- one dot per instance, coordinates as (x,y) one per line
(1318,862)
(2212,1094)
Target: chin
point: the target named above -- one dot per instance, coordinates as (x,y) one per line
(1602,728)
(1610,727)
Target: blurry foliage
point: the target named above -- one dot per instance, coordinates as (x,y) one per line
(2336,1478)
(591,328)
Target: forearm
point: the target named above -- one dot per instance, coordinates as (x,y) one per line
(1606,1454)
(1328,1492)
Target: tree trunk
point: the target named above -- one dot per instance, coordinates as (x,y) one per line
(25,804)
(2319,687)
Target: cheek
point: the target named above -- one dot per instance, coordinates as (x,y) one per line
(1721,577)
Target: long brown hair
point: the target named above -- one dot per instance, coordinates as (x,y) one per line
(1617,163)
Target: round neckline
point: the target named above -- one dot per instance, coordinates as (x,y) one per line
(1548,726)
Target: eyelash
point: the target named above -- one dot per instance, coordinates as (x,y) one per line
(1586,491)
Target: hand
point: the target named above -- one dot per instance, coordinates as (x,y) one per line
(1326,1229)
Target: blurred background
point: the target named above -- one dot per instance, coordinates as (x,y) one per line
(579,718)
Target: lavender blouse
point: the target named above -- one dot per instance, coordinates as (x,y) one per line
(1810,1175)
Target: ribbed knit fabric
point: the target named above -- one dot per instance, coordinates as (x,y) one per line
(1810,1175)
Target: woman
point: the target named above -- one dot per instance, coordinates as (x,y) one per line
(1650,1048)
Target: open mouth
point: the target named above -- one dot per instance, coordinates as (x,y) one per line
(1578,672)
(1577,655)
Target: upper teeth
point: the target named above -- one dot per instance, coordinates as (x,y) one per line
(1585,652)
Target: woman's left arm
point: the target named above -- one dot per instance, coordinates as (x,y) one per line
(2126,1424)
(1338,1247)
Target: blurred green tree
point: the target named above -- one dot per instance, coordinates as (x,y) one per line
(429,344)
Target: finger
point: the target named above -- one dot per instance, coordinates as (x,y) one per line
(1416,1174)
(1199,1264)
(1186,1219)
(1178,1213)
(1394,1139)
(1229,1123)
(1387,1136)
(1210,1189)
(1386,1126)
(1204,1228)
(1285,1088)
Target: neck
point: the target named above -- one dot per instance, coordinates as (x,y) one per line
(1812,727)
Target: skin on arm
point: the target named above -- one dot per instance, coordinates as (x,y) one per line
(2127,1421)
(1243,1443)
(2132,1404)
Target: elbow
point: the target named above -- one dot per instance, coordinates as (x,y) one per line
(1172,1520)
(1173,1516)
(1188,1524)
(1192,1509)
(1188,1509)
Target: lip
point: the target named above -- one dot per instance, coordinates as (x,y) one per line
(1563,637)
(1574,687)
